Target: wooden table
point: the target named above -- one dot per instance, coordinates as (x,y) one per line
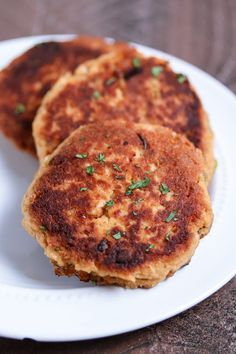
(202,32)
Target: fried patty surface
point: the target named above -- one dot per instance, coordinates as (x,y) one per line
(140,89)
(120,203)
(24,82)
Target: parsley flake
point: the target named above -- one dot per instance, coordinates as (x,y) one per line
(110,81)
(156,70)
(181,78)
(171,216)
(90,170)
(116,167)
(20,108)
(149,247)
(117,236)
(110,203)
(137,185)
(96,95)
(136,63)
(43,228)
(167,237)
(164,189)
(83,189)
(100,158)
(81,156)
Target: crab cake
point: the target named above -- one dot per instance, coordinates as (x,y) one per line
(120,203)
(140,89)
(25,81)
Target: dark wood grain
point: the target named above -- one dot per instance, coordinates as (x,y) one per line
(202,32)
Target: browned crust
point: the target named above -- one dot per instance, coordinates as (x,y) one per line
(79,229)
(135,95)
(27,78)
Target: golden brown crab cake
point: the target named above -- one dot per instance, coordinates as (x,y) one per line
(24,82)
(120,203)
(140,89)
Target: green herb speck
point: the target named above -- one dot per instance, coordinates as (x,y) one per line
(137,185)
(149,247)
(101,158)
(20,108)
(57,249)
(167,237)
(117,236)
(43,228)
(83,189)
(81,156)
(90,170)
(171,216)
(137,63)
(110,81)
(156,70)
(116,167)
(96,95)
(110,203)
(164,189)
(181,78)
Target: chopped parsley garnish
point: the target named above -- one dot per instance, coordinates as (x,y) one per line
(167,237)
(110,203)
(149,247)
(97,95)
(83,189)
(136,63)
(137,185)
(94,282)
(20,108)
(90,170)
(117,236)
(101,158)
(116,167)
(110,81)
(146,227)
(156,70)
(171,216)
(181,78)
(164,189)
(43,228)
(81,156)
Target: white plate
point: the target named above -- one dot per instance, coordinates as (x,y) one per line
(36,304)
